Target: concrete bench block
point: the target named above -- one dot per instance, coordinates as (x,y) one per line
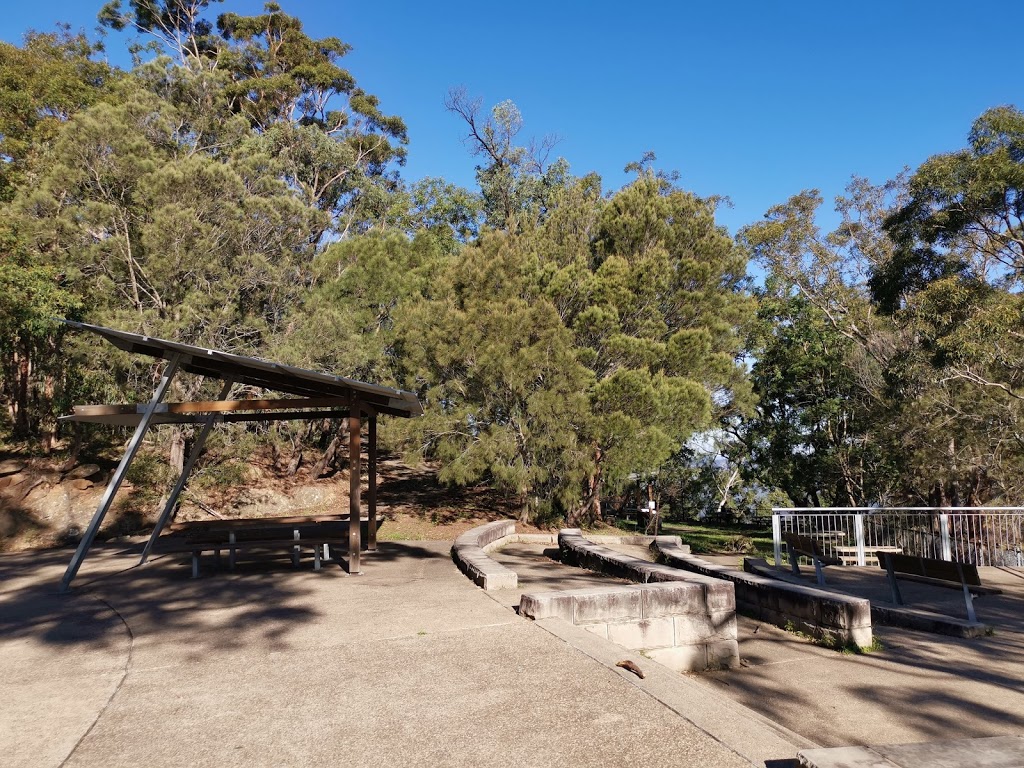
(673,598)
(643,634)
(681,658)
(470,557)
(607,606)
(724,653)
(705,628)
(546,605)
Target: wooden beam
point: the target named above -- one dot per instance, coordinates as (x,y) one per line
(215,406)
(354,449)
(371,488)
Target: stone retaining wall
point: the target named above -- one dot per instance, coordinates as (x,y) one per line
(703,609)
(838,619)
(469,553)
(681,625)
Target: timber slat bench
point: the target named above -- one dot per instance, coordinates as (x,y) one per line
(808,547)
(937,573)
(292,534)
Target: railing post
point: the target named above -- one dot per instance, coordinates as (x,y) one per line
(777,538)
(858,532)
(947,553)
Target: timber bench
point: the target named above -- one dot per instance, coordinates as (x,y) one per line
(937,573)
(807,546)
(319,545)
(291,534)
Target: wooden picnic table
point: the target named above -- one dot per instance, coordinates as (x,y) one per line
(291,533)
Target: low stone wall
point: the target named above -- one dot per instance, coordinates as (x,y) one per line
(469,553)
(681,624)
(838,619)
(703,608)
(579,550)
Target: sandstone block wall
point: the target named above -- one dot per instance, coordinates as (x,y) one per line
(669,622)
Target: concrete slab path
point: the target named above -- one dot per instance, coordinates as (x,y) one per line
(407,664)
(918,687)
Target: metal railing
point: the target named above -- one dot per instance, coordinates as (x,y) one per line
(979,535)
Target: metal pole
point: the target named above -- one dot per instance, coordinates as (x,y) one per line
(122,469)
(354,448)
(777,538)
(186,471)
(947,552)
(858,529)
(371,489)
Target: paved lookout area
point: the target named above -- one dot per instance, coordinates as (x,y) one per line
(409,663)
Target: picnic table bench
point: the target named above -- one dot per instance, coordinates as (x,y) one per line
(807,546)
(937,573)
(292,534)
(849,554)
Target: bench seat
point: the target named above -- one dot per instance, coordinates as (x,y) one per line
(939,573)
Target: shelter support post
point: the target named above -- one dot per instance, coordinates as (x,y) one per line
(122,469)
(355,433)
(371,488)
(186,471)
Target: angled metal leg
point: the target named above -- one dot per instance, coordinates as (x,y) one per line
(793,564)
(819,572)
(893,586)
(186,471)
(968,598)
(122,469)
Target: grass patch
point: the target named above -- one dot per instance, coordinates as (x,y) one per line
(830,642)
(724,539)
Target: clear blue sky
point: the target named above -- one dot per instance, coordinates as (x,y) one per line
(753,100)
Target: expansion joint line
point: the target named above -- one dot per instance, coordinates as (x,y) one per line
(117,688)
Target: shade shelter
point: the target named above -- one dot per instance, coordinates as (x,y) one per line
(315,395)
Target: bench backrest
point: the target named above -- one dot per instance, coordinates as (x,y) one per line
(804,544)
(943,570)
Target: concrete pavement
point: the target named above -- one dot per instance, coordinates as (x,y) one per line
(408,663)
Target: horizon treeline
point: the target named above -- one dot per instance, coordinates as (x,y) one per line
(237,189)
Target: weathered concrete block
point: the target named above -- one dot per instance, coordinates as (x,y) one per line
(721,595)
(704,628)
(672,599)
(607,606)
(643,634)
(507,580)
(682,658)
(724,653)
(601,630)
(546,605)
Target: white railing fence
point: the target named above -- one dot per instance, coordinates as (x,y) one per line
(979,535)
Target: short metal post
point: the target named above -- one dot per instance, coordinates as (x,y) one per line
(122,469)
(858,530)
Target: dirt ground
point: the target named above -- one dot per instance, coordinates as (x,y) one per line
(44,505)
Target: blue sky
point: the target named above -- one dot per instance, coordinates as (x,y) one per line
(752,100)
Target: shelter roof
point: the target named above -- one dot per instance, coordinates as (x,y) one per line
(255,372)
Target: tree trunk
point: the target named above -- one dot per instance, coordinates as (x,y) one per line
(177,457)
(24,367)
(524,507)
(332,451)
